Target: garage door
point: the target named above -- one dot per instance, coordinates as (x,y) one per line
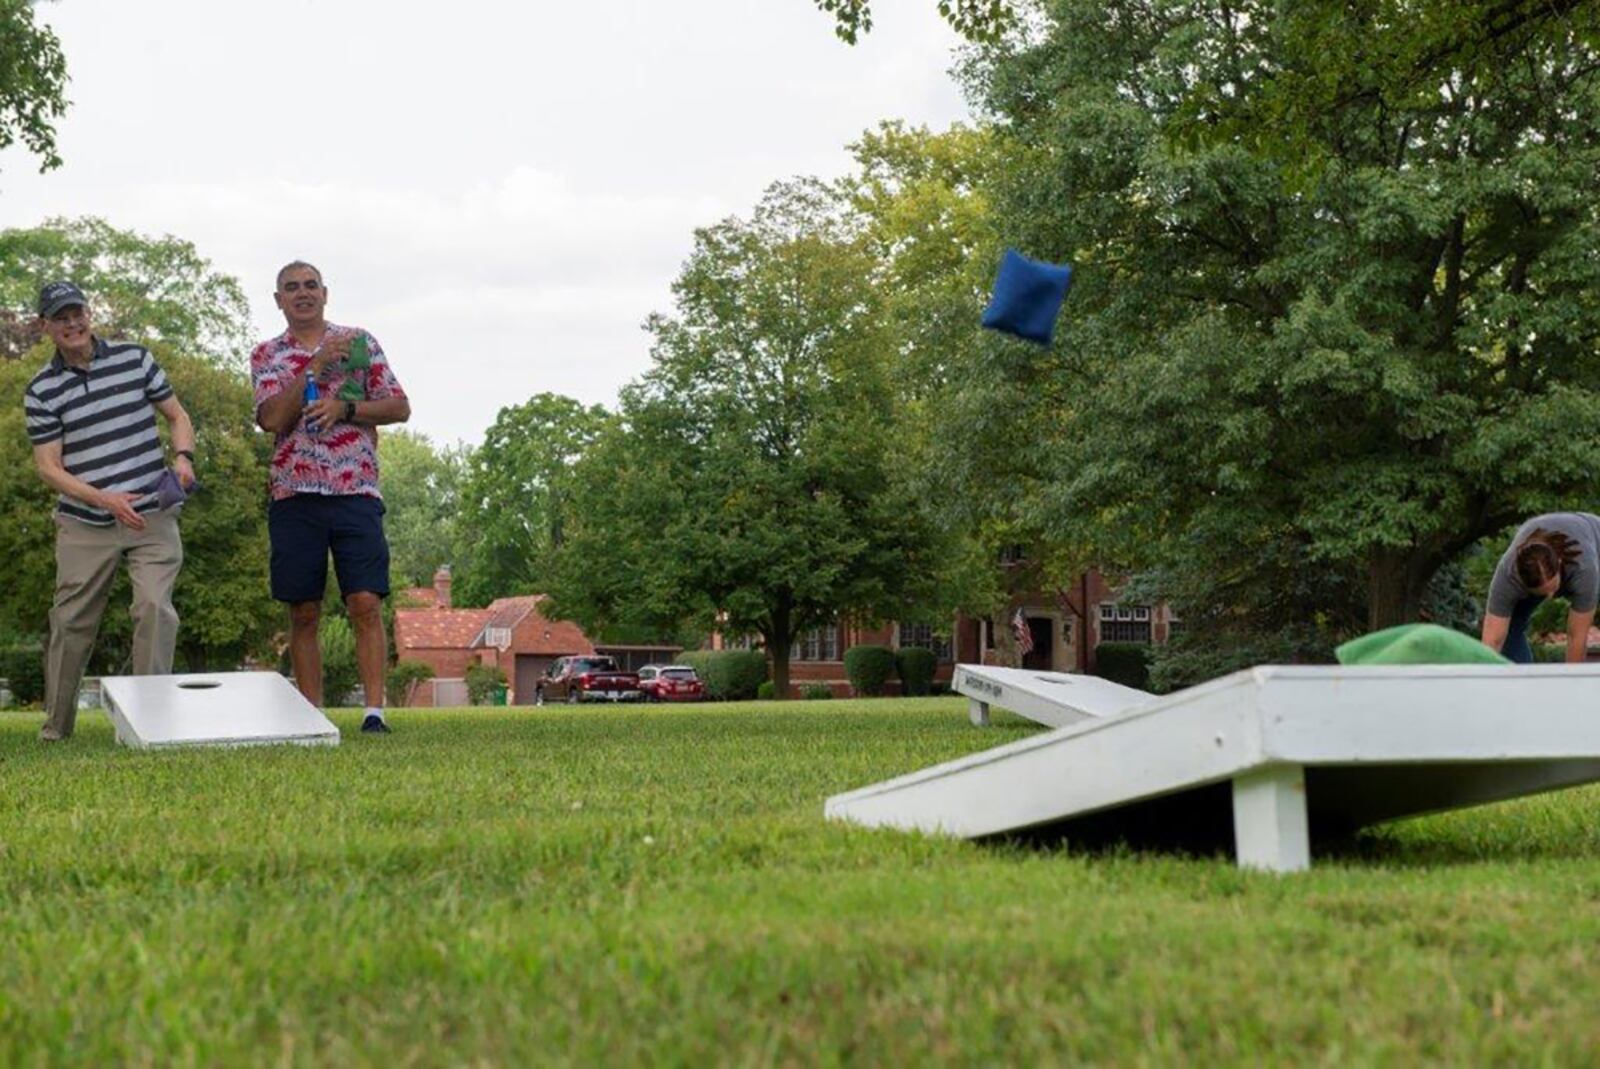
(529,669)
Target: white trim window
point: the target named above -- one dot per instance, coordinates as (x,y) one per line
(921,636)
(817,644)
(1125,623)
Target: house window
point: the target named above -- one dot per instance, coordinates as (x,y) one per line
(817,644)
(1124,623)
(921,636)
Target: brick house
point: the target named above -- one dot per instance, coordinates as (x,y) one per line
(511,634)
(1064,636)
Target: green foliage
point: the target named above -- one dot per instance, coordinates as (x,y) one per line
(402,679)
(1127,663)
(513,498)
(1550,618)
(482,682)
(33,83)
(976,20)
(869,668)
(729,675)
(422,504)
(915,667)
(1202,654)
(1548,652)
(748,484)
(815,692)
(1300,386)
(159,292)
(22,666)
(340,673)
(765,691)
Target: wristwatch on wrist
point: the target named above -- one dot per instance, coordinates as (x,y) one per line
(185,453)
(349,411)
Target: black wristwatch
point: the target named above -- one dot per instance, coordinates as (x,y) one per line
(185,453)
(349,411)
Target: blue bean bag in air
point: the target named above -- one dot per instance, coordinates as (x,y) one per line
(1027,297)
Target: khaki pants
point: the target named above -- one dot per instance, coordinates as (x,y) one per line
(86,564)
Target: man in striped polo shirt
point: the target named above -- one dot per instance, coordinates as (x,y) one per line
(91,418)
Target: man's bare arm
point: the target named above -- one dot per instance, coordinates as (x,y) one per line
(1494,630)
(1578,636)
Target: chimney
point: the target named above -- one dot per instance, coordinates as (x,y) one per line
(441,587)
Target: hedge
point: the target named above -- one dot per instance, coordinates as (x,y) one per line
(729,675)
(403,677)
(869,668)
(1127,663)
(23,667)
(482,679)
(916,666)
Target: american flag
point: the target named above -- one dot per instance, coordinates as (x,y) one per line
(1019,627)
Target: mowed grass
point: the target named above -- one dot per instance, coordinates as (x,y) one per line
(648,885)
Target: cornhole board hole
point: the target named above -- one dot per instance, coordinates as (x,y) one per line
(1267,760)
(1054,699)
(214,709)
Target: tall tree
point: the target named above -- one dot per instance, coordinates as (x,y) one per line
(421,497)
(512,502)
(33,82)
(749,485)
(976,20)
(1300,386)
(159,290)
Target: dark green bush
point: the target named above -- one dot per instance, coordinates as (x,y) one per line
(1127,663)
(815,692)
(916,667)
(729,675)
(403,677)
(869,668)
(766,691)
(23,666)
(1549,652)
(482,679)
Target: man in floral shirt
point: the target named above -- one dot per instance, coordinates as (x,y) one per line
(324,477)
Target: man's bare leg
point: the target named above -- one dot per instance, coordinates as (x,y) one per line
(305,652)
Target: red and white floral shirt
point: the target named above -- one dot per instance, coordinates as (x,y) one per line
(335,460)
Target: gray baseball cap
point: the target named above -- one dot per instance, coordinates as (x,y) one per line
(59,295)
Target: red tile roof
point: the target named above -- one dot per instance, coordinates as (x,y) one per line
(437,629)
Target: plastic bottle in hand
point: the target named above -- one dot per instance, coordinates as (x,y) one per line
(311,395)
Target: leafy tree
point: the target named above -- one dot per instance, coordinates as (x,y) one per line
(512,502)
(749,482)
(33,82)
(1300,387)
(977,20)
(151,290)
(421,496)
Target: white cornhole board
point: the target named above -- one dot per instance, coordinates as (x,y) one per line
(1054,699)
(1272,755)
(214,709)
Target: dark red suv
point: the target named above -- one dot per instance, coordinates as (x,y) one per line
(671,683)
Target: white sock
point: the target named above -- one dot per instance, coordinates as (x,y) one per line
(373,710)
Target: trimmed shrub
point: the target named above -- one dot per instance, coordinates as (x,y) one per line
(340,673)
(1549,652)
(815,692)
(729,675)
(939,689)
(869,668)
(23,666)
(766,691)
(916,667)
(1127,663)
(482,679)
(404,677)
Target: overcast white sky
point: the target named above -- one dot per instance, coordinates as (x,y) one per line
(500,192)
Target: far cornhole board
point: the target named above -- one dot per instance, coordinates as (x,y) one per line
(1299,752)
(214,709)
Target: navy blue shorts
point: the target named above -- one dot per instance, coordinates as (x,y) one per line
(305,527)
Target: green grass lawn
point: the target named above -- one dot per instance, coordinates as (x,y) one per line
(657,885)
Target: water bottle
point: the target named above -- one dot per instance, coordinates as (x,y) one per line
(311,395)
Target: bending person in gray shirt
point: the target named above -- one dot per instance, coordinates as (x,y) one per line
(1554,554)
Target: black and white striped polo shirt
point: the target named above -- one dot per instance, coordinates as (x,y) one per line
(104,416)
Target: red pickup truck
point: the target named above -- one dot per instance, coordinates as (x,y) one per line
(586,678)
